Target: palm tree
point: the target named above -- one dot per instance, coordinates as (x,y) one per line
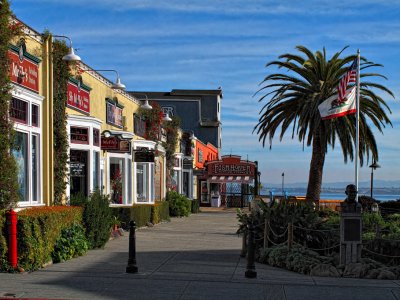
(293,98)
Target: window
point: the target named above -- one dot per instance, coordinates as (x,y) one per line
(142,182)
(20,153)
(35,167)
(96,170)
(139,126)
(79,135)
(117,180)
(96,137)
(19,111)
(35,115)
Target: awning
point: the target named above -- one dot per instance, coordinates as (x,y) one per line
(225,179)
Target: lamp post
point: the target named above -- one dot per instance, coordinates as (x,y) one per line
(373,167)
(283,182)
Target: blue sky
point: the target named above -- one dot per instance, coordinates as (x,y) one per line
(162,45)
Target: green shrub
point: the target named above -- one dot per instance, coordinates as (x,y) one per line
(195,206)
(141,214)
(3,243)
(38,230)
(160,212)
(97,219)
(78,200)
(179,205)
(70,244)
(123,214)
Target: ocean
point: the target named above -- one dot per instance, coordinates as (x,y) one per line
(334,195)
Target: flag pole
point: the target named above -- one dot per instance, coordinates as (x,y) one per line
(357,123)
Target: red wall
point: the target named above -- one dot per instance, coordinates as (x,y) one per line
(209,153)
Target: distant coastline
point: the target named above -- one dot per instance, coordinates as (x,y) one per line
(381,194)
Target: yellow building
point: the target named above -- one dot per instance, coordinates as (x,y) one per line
(106,149)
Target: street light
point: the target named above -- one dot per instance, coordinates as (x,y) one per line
(373,167)
(146,105)
(283,182)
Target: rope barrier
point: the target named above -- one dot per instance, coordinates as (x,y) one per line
(378,254)
(275,244)
(317,249)
(317,230)
(274,233)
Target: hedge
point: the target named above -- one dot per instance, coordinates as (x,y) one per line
(3,242)
(38,230)
(142,214)
(195,206)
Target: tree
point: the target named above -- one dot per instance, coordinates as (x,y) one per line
(8,166)
(294,95)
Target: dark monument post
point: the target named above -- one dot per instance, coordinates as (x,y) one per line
(350,227)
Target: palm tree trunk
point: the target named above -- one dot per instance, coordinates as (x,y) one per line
(316,169)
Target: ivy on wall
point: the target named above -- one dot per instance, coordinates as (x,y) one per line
(8,166)
(61,74)
(154,121)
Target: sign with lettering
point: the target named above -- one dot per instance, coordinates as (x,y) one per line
(114,144)
(114,114)
(231,166)
(24,68)
(78,97)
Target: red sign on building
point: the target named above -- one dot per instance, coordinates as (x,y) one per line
(24,69)
(114,144)
(231,165)
(78,97)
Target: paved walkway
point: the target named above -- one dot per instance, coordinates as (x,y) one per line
(187,258)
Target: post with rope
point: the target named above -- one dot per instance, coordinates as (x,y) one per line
(244,245)
(266,233)
(251,249)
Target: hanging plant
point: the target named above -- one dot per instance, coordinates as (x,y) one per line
(153,119)
(8,166)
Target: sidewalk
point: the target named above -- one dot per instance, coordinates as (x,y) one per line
(187,258)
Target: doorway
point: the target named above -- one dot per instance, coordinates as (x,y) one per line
(78,169)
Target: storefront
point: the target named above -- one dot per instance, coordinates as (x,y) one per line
(229,182)
(149,170)
(84,155)
(118,163)
(26,113)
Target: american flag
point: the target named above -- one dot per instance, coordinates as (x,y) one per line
(350,76)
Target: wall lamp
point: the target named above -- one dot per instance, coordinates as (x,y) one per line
(117,85)
(166,117)
(71,56)
(146,105)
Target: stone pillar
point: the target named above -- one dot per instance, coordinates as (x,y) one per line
(350,233)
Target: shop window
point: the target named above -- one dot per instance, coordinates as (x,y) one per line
(35,167)
(79,135)
(35,115)
(78,170)
(96,137)
(142,182)
(20,153)
(96,170)
(19,111)
(117,179)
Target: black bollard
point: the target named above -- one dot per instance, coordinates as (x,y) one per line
(251,249)
(244,245)
(132,268)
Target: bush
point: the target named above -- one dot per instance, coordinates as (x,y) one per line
(38,230)
(70,244)
(141,214)
(195,206)
(3,243)
(97,219)
(160,212)
(179,205)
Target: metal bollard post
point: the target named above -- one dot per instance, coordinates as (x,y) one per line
(244,245)
(251,249)
(132,268)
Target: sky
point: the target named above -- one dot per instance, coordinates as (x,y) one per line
(158,45)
